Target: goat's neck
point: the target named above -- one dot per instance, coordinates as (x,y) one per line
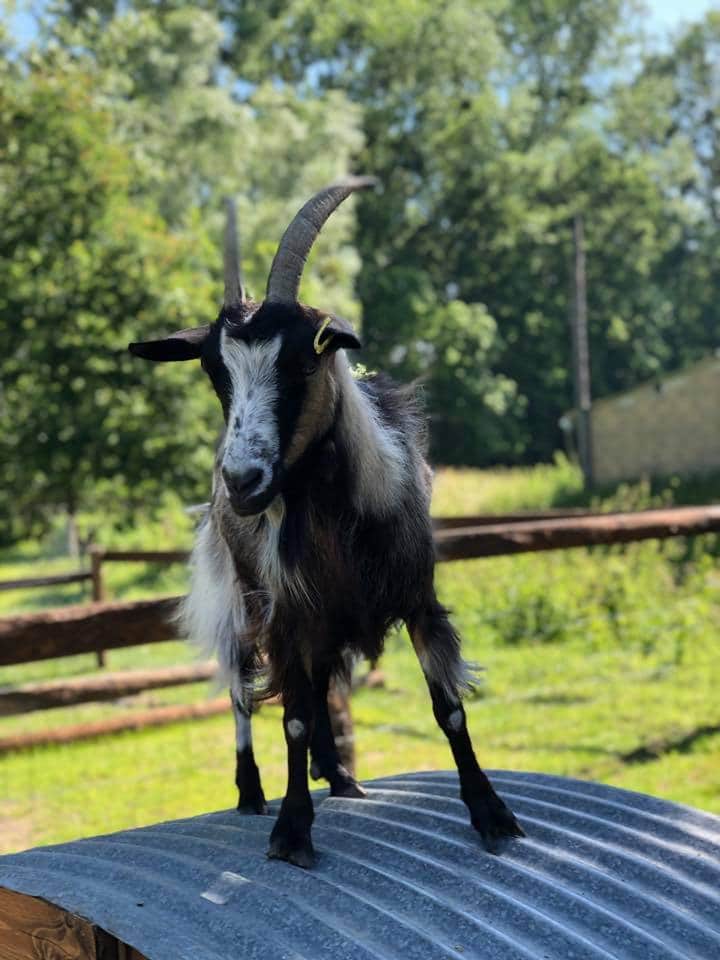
(375,452)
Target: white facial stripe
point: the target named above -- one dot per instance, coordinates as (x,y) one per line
(252,438)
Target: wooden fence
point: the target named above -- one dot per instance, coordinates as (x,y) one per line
(105,625)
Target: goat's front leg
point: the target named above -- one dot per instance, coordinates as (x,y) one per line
(290,838)
(326,760)
(438,648)
(251,798)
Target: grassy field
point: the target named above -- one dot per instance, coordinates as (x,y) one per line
(603,665)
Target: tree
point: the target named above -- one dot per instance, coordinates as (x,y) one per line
(82,266)
(491,126)
(118,146)
(672,112)
(195,137)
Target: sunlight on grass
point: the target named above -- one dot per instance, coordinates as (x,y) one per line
(589,657)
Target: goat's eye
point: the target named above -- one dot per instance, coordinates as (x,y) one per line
(308,367)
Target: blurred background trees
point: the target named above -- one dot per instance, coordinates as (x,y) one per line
(490,125)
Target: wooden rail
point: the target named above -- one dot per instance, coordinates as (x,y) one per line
(85,628)
(583,531)
(135,720)
(49,581)
(492,519)
(109,686)
(141,556)
(110,625)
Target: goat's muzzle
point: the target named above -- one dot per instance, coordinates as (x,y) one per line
(247,491)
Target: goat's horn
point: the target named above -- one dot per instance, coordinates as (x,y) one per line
(287,267)
(234,293)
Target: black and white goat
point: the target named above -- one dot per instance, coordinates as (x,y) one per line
(318,536)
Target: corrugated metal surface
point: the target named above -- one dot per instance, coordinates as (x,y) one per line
(603,873)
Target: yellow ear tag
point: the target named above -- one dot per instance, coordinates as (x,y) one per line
(319,347)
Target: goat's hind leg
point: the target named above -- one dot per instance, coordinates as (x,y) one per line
(251,798)
(437,645)
(326,760)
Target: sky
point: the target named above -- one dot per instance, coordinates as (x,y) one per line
(670,13)
(664,15)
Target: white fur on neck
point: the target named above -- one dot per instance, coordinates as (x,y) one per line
(377,458)
(274,573)
(213,612)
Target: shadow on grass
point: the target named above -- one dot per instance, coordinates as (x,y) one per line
(397,728)
(649,752)
(555,699)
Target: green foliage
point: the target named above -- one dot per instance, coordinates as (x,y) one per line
(194,140)
(462,492)
(118,143)
(83,265)
(489,125)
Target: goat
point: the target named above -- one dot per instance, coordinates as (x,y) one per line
(318,537)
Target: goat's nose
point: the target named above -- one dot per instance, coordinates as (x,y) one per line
(242,485)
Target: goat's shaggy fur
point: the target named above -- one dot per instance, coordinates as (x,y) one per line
(318,539)
(345,552)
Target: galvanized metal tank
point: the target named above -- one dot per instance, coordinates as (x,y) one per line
(603,873)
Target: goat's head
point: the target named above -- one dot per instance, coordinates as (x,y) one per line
(270,363)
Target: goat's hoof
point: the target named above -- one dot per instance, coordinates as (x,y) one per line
(296,849)
(254,808)
(350,789)
(494,821)
(251,800)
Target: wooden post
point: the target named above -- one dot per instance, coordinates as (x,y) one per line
(342,725)
(98,591)
(33,929)
(581,352)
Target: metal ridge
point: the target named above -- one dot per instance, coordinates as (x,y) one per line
(603,873)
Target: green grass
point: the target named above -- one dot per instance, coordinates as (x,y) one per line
(461,491)
(591,657)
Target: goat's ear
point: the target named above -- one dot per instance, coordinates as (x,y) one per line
(336,333)
(183,345)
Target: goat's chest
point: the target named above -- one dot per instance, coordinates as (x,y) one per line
(300,564)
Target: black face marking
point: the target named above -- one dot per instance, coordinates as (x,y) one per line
(212,364)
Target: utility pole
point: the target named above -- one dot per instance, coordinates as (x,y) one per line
(581,352)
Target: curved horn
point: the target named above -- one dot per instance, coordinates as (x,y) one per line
(234,293)
(287,267)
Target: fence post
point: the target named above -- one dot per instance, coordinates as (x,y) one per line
(98,590)
(342,724)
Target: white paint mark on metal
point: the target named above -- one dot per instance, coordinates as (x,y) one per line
(224,887)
